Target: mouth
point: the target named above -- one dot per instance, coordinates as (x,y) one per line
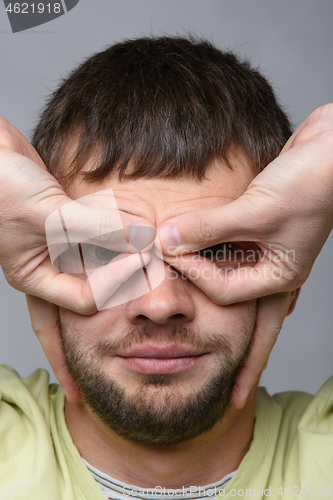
(156,359)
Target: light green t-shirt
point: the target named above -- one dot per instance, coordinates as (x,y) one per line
(291,452)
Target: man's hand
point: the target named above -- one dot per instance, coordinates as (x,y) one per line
(287,211)
(28,195)
(44,322)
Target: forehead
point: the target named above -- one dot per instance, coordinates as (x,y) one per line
(160,199)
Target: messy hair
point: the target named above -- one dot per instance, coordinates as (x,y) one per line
(159,107)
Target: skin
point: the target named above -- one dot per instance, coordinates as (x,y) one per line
(175,301)
(288,208)
(288,211)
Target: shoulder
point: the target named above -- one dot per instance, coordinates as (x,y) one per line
(26,397)
(292,440)
(297,420)
(38,458)
(299,409)
(27,409)
(311,412)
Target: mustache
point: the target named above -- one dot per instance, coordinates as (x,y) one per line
(205,342)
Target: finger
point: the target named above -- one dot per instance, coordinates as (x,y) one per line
(104,282)
(320,120)
(203,273)
(44,322)
(96,220)
(240,220)
(85,296)
(11,138)
(233,282)
(271,312)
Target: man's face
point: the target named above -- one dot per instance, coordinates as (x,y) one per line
(160,369)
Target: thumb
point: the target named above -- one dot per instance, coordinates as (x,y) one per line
(271,312)
(239,220)
(44,321)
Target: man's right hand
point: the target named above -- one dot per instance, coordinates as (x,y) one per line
(28,195)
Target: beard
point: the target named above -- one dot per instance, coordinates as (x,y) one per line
(159,413)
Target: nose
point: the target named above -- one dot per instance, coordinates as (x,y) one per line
(169,303)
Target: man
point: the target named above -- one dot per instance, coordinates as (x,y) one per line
(150,401)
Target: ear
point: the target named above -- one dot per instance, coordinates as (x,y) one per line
(44,322)
(294,296)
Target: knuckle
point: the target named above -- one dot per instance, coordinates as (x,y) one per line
(87,309)
(15,277)
(86,305)
(298,280)
(19,276)
(325,109)
(202,229)
(219,299)
(274,333)
(108,221)
(11,280)
(292,277)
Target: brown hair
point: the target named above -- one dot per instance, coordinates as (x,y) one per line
(171,105)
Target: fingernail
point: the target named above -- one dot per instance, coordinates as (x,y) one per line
(169,236)
(140,236)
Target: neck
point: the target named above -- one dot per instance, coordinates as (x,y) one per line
(221,450)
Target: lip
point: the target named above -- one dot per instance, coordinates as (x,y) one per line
(171,350)
(153,359)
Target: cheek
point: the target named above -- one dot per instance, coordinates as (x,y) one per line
(93,328)
(231,320)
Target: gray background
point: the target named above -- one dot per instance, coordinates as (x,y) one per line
(291,41)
